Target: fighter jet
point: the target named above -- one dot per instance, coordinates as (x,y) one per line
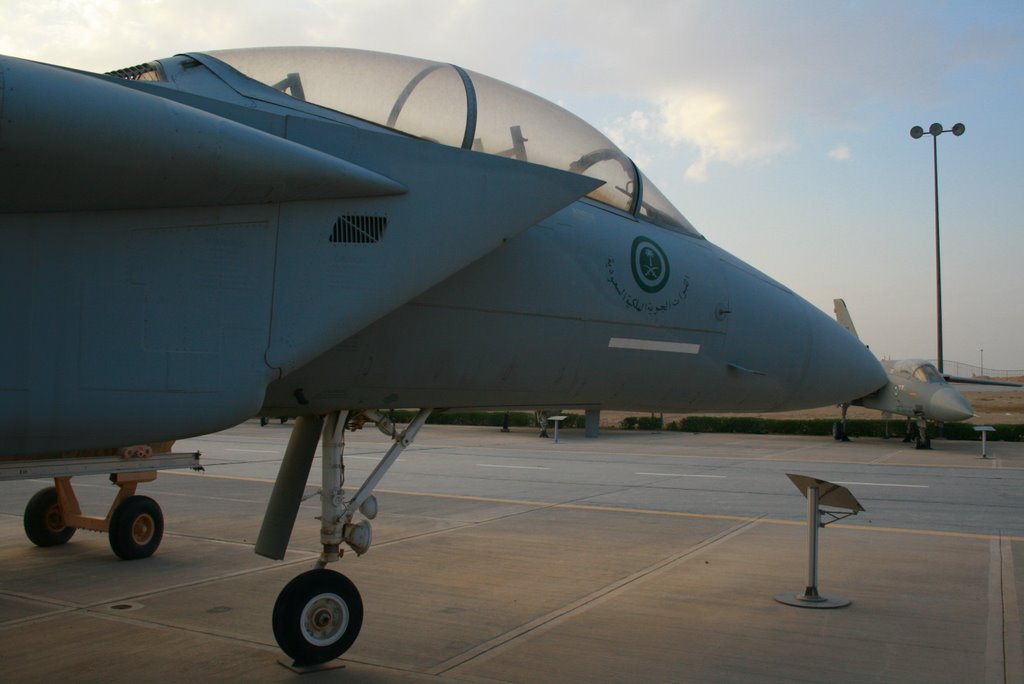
(915,389)
(327,233)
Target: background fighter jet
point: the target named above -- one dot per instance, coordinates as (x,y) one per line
(915,389)
(322,233)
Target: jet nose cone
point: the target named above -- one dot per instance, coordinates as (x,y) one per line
(948,404)
(839,368)
(808,360)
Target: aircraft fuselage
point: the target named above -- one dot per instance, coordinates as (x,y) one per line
(558,318)
(180,255)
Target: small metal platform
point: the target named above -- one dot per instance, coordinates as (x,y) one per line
(70,466)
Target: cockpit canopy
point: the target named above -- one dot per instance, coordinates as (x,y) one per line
(457,107)
(921,371)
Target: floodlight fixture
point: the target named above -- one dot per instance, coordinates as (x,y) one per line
(935,130)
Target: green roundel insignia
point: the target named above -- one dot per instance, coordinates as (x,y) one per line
(650,264)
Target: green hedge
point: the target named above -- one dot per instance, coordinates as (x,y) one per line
(727,424)
(489,418)
(820,427)
(642,423)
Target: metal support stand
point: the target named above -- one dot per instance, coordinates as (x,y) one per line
(556,420)
(816,492)
(984,430)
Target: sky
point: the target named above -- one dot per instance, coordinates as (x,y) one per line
(780,128)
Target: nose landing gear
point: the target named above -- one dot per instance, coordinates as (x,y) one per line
(318,615)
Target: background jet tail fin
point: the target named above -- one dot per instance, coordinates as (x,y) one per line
(843,316)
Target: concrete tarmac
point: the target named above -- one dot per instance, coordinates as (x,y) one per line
(501,557)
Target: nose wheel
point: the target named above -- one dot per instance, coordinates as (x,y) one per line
(317,616)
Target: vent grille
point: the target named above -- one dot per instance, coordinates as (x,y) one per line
(139,72)
(359,230)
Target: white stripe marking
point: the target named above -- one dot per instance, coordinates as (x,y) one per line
(253,451)
(372,458)
(492,465)
(653,345)
(718,477)
(882,484)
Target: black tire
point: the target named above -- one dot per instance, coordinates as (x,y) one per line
(136,528)
(43,520)
(838,433)
(317,616)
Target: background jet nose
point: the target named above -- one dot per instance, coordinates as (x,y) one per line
(948,404)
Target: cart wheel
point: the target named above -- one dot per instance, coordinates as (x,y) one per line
(136,528)
(44,522)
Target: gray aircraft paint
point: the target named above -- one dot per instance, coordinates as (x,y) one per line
(175,262)
(481,342)
(145,325)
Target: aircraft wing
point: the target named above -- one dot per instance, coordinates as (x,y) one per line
(980,381)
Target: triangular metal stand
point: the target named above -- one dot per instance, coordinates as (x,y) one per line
(819,492)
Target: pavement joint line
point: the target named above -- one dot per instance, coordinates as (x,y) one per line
(498,644)
(1013,657)
(93,605)
(39,617)
(211,540)
(514,467)
(645,511)
(882,484)
(58,607)
(717,477)
(156,624)
(701,516)
(59,603)
(995,669)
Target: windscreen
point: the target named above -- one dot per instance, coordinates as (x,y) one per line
(423,98)
(452,106)
(514,123)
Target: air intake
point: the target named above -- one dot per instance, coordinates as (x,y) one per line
(359,230)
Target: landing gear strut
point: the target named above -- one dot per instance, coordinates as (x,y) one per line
(839,427)
(318,615)
(917,431)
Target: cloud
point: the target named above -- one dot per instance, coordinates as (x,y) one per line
(840,153)
(735,83)
(713,124)
(624,128)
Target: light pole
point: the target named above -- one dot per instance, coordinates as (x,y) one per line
(935,130)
